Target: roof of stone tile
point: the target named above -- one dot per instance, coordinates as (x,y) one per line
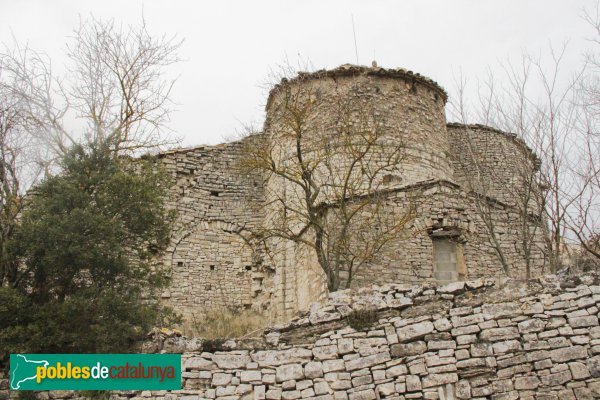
(355,70)
(512,136)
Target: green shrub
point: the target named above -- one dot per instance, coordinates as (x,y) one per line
(362,319)
(86,245)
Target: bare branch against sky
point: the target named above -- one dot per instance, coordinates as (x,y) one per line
(231,46)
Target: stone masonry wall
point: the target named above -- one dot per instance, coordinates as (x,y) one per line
(444,205)
(479,339)
(409,258)
(212,264)
(494,163)
(407,111)
(215,263)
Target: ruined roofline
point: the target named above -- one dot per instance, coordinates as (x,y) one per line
(420,185)
(427,184)
(208,147)
(356,70)
(509,135)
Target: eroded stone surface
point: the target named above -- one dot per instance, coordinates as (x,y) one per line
(220,205)
(509,356)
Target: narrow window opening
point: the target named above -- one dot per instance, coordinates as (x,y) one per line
(179,264)
(214,193)
(212,267)
(445,266)
(248,268)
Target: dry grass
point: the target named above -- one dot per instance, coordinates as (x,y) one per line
(225,324)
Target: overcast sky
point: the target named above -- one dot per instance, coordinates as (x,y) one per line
(230,46)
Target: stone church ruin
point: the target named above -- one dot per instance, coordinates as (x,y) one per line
(467,188)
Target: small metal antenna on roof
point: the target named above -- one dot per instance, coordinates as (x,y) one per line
(354,33)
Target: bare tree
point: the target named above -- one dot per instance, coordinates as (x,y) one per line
(115,85)
(558,117)
(529,101)
(18,170)
(28,80)
(584,219)
(121,89)
(324,188)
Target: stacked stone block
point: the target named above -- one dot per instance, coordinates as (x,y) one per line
(216,264)
(466,340)
(493,163)
(217,206)
(409,258)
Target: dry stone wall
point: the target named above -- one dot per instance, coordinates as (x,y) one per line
(407,112)
(479,339)
(406,109)
(494,163)
(213,264)
(214,260)
(444,205)
(409,109)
